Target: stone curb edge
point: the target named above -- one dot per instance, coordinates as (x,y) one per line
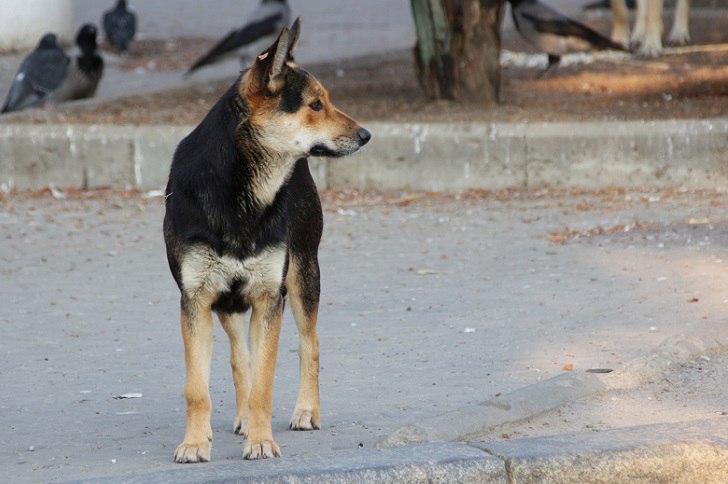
(687,154)
(683,452)
(469,422)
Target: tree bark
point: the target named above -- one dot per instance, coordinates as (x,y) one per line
(458,48)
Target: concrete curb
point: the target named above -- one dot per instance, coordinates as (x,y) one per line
(670,353)
(469,422)
(667,453)
(683,452)
(520,404)
(441,462)
(414,156)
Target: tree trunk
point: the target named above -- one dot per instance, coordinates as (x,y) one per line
(458,48)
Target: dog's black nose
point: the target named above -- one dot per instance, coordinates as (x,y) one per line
(364,136)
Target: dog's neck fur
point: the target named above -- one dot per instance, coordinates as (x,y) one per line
(268,168)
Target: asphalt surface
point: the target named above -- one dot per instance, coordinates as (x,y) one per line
(425,309)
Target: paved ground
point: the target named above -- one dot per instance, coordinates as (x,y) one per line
(426,308)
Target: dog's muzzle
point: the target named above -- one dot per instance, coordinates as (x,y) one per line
(344,145)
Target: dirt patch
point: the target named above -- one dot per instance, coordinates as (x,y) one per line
(684,83)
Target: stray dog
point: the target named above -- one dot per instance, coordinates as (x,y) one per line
(648,25)
(242,227)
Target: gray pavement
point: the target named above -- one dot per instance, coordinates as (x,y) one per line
(427,309)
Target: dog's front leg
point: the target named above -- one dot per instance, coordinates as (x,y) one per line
(197,335)
(233,324)
(303,287)
(265,328)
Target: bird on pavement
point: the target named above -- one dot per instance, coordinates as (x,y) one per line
(85,72)
(41,73)
(555,33)
(119,26)
(259,31)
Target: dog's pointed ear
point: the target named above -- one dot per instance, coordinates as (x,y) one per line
(293,37)
(274,77)
(270,66)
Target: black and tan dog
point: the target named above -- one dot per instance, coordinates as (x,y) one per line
(242,228)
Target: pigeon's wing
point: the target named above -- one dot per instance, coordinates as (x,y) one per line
(563,26)
(108,23)
(40,74)
(119,28)
(264,21)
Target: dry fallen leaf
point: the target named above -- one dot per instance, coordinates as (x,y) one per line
(568,367)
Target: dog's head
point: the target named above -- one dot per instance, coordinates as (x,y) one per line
(291,110)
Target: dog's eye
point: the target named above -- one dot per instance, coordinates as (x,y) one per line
(316,105)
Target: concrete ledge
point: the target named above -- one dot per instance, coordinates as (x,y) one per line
(468,422)
(675,453)
(667,453)
(446,463)
(635,154)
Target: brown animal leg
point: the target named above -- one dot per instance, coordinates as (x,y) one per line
(234,326)
(620,27)
(680,33)
(265,328)
(304,302)
(197,335)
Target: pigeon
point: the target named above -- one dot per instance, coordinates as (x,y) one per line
(119,26)
(41,73)
(555,33)
(85,72)
(259,31)
(607,4)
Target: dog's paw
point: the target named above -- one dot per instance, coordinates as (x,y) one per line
(240,426)
(190,453)
(264,449)
(305,420)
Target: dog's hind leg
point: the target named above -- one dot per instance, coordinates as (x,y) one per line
(234,326)
(265,328)
(620,19)
(197,335)
(303,288)
(680,33)
(648,28)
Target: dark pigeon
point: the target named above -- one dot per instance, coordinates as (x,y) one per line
(85,72)
(607,4)
(119,26)
(41,73)
(258,32)
(555,33)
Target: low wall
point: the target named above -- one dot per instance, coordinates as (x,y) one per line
(440,157)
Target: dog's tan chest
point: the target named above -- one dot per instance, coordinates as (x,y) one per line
(205,273)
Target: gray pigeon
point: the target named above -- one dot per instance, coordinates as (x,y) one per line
(554,33)
(85,71)
(119,26)
(41,73)
(259,31)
